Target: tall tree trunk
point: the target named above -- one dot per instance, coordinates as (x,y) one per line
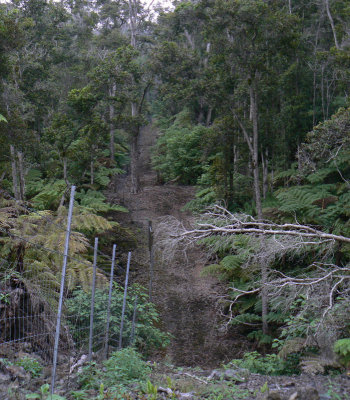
(255,145)
(135,183)
(331,21)
(134,156)
(255,161)
(92,172)
(265,170)
(65,171)
(112,91)
(14,173)
(22,188)
(208,119)
(132,17)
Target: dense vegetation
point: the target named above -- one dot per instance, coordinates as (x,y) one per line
(252,100)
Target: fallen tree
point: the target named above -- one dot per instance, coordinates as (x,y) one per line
(323,284)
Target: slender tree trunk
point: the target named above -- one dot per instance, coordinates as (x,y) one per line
(255,155)
(331,21)
(314,101)
(290,6)
(14,173)
(22,188)
(92,172)
(134,156)
(65,169)
(265,170)
(189,39)
(208,120)
(132,17)
(255,162)
(135,182)
(112,91)
(322,93)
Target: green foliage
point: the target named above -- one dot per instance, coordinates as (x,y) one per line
(178,153)
(95,201)
(151,390)
(123,368)
(44,394)
(30,365)
(342,348)
(147,335)
(225,392)
(271,364)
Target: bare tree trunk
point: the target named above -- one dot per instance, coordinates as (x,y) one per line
(208,120)
(189,39)
(255,162)
(331,21)
(135,183)
(92,172)
(322,92)
(235,158)
(112,91)
(265,170)
(22,188)
(290,6)
(206,58)
(255,155)
(132,17)
(65,173)
(134,156)
(314,101)
(14,173)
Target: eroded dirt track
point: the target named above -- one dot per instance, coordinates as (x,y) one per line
(185,300)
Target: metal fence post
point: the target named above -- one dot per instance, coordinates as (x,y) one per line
(109,302)
(151,259)
(92,300)
(60,302)
(124,302)
(132,335)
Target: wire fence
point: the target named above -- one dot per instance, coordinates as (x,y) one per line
(60,307)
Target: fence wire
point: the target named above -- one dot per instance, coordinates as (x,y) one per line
(29,294)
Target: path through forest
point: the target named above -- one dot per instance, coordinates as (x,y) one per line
(186,301)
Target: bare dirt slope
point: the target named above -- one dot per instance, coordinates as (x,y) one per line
(186,300)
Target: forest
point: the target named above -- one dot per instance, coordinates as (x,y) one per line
(248,104)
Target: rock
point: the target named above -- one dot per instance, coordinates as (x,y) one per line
(165,390)
(79,363)
(237,375)
(189,395)
(306,393)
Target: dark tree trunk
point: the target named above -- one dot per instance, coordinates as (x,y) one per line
(14,173)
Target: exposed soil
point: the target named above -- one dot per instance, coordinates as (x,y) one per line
(186,301)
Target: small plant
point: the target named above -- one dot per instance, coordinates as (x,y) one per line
(30,365)
(79,395)
(125,366)
(151,390)
(44,394)
(342,348)
(271,364)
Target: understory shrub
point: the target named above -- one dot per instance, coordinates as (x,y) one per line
(146,336)
(270,364)
(121,369)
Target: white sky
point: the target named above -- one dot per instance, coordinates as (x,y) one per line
(164,3)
